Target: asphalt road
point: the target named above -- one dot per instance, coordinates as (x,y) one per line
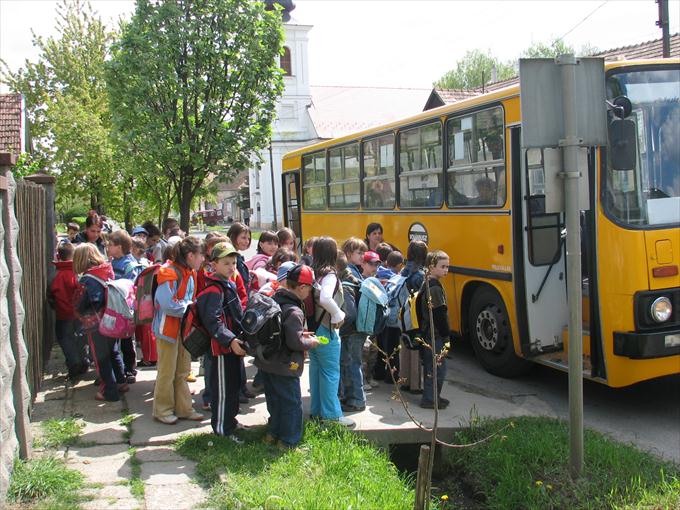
(646,414)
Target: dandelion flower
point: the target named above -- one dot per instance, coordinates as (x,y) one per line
(539,483)
(445,497)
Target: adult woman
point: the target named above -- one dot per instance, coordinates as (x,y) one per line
(324,363)
(374,236)
(176,288)
(93,232)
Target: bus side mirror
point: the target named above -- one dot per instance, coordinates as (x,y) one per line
(622,141)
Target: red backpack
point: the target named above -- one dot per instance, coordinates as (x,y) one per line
(146,285)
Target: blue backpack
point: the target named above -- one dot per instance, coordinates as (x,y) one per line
(403,299)
(372,310)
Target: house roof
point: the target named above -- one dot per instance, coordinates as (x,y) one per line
(337,111)
(10,123)
(644,50)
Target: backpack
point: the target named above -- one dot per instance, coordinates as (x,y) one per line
(261,326)
(316,314)
(372,310)
(350,295)
(403,307)
(117,320)
(145,292)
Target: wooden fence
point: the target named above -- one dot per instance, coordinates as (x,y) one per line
(30,206)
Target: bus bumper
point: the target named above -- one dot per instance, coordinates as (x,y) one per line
(647,345)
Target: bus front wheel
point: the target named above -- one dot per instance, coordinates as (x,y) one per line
(491,335)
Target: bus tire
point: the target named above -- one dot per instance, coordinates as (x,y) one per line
(491,335)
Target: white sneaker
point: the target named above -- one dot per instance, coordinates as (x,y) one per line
(347,422)
(235,439)
(374,383)
(194,416)
(368,386)
(170,419)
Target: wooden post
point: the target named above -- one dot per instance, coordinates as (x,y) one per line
(422,480)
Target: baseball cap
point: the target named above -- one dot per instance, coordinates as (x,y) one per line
(371,257)
(139,230)
(282,273)
(301,274)
(221,250)
(173,240)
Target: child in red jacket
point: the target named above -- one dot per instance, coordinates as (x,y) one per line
(62,290)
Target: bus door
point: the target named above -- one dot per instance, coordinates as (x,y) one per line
(544,260)
(291,203)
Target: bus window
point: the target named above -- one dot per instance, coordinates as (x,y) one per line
(420,166)
(314,181)
(476,173)
(379,173)
(343,166)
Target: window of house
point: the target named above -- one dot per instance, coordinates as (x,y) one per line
(286,62)
(476,173)
(378,180)
(420,166)
(314,181)
(343,166)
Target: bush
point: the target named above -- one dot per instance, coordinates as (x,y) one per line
(44,479)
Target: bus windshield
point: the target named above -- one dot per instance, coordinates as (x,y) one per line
(649,194)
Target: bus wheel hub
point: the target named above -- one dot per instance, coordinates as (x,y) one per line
(487,330)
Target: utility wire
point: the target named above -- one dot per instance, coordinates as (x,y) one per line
(580,22)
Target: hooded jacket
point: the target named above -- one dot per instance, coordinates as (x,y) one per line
(63,289)
(126,267)
(290,360)
(220,310)
(176,285)
(93,296)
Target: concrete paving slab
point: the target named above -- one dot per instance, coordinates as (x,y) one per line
(117,491)
(110,432)
(47,409)
(168,473)
(183,496)
(112,504)
(158,454)
(99,453)
(109,471)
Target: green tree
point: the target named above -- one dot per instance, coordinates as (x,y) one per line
(67,106)
(193,87)
(555,48)
(475,69)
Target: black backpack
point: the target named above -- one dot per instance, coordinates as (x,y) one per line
(350,293)
(261,326)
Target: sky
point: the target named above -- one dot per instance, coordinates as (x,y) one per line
(399,43)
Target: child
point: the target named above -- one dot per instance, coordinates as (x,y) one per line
(351,375)
(219,309)
(88,261)
(240,237)
(143,333)
(266,247)
(62,290)
(438,264)
(371,261)
(125,266)
(92,233)
(281,373)
(176,286)
(324,363)
(307,252)
(287,239)
(391,267)
(72,230)
(354,249)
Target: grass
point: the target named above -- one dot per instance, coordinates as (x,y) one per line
(126,421)
(528,468)
(332,468)
(135,483)
(59,432)
(45,483)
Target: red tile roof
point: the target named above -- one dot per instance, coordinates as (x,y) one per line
(10,123)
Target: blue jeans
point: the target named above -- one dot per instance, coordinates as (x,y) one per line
(70,345)
(324,376)
(284,404)
(426,357)
(351,371)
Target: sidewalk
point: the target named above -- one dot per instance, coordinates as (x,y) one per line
(110,454)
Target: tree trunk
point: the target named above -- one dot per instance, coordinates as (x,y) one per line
(185,199)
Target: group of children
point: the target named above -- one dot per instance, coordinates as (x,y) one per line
(215,276)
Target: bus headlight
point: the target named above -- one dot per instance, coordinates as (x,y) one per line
(661,309)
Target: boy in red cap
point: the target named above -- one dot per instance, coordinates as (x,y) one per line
(370,266)
(281,372)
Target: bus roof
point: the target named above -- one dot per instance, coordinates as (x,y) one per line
(504,93)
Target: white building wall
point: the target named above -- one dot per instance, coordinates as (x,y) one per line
(292,129)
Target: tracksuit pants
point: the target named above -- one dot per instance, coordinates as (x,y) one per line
(225,384)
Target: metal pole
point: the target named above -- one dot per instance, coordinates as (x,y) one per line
(665,29)
(571,175)
(271,173)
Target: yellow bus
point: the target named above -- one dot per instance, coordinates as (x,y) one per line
(458,178)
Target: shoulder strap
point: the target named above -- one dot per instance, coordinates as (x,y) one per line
(96,278)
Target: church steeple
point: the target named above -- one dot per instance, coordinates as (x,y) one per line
(288,5)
